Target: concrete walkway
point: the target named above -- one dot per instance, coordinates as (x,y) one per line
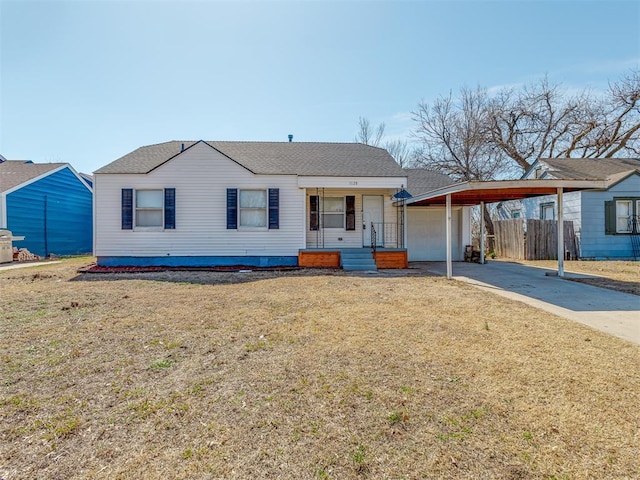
(13,265)
(612,312)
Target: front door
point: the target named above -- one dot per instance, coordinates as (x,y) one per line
(372,213)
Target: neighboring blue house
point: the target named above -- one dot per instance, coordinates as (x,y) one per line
(603,219)
(49,204)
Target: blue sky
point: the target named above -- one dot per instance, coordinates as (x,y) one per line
(88,81)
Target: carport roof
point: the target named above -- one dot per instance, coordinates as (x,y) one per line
(474,192)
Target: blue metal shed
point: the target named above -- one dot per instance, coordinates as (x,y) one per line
(49,204)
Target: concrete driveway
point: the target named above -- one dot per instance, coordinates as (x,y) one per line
(606,310)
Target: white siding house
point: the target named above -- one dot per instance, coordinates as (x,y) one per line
(264,204)
(200,176)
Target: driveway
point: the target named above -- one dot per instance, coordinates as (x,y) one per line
(609,311)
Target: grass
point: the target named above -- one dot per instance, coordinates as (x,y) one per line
(303,375)
(623,276)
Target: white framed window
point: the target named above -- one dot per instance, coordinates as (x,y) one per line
(624,212)
(333,212)
(516,214)
(149,206)
(253,208)
(547,211)
(622,215)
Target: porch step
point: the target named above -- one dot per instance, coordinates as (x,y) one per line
(360,259)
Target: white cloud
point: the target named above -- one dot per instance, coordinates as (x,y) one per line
(495,89)
(398,126)
(574,79)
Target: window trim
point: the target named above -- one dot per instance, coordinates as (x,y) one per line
(265,209)
(516,214)
(634,207)
(136,209)
(316,212)
(546,205)
(129,209)
(630,202)
(343,213)
(611,214)
(271,209)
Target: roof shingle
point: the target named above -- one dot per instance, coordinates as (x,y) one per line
(421,180)
(589,168)
(273,158)
(17,172)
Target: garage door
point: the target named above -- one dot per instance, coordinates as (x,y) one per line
(426,234)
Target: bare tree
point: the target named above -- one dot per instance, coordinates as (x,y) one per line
(455,139)
(401,152)
(399,149)
(542,121)
(366,133)
(474,136)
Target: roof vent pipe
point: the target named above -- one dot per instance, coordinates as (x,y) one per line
(290,138)
(182,149)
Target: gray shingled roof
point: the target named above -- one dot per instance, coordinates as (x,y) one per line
(589,168)
(273,158)
(17,172)
(421,180)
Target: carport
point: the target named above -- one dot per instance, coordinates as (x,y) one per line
(472,193)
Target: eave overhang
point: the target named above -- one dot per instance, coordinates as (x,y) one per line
(306,181)
(475,192)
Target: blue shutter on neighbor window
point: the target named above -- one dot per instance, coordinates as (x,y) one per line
(274,208)
(610,217)
(127,208)
(169,208)
(232,208)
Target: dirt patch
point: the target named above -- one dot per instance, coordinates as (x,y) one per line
(303,375)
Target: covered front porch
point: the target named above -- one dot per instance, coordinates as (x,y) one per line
(353,223)
(340,218)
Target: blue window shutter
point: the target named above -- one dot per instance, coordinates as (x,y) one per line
(127,208)
(610,217)
(232,208)
(274,208)
(169,208)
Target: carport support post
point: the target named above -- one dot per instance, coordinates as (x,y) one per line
(560,234)
(482,232)
(404,224)
(449,268)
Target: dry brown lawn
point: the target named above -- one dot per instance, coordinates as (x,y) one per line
(303,375)
(621,275)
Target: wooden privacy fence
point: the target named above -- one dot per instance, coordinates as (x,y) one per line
(539,242)
(509,238)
